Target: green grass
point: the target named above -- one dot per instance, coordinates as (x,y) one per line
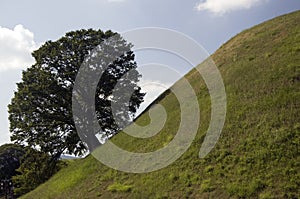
(257,155)
(116,187)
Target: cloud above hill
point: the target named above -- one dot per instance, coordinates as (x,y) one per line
(220,7)
(152,88)
(16,46)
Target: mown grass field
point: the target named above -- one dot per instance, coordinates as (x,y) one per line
(257,155)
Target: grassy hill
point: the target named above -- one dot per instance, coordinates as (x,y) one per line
(257,155)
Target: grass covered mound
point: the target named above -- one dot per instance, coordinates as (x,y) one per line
(257,155)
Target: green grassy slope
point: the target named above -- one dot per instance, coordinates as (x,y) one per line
(257,155)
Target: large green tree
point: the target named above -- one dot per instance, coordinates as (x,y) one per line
(40,112)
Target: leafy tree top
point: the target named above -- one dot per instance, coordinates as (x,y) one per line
(40,112)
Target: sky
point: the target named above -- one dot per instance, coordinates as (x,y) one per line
(26,25)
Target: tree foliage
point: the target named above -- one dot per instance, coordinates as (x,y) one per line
(40,112)
(10,156)
(36,168)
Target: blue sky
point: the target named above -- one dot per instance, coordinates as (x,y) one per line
(25,25)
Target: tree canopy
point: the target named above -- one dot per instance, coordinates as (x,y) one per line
(40,112)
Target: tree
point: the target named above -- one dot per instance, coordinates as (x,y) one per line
(10,157)
(34,170)
(40,112)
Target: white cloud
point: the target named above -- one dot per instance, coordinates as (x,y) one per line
(220,7)
(16,47)
(152,88)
